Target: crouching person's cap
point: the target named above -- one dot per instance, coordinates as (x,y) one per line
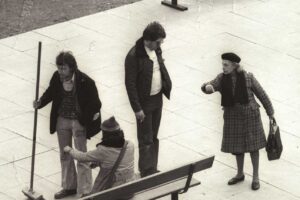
(110,125)
(231,57)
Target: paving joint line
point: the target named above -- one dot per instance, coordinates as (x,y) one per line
(17,160)
(290,55)
(13,116)
(35,31)
(251,19)
(250,41)
(12,102)
(96,31)
(49,148)
(16,76)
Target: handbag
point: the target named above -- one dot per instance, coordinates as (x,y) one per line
(274,145)
(110,178)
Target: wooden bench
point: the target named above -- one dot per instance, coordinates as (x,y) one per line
(172,182)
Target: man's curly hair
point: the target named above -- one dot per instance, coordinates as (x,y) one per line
(154,31)
(66,58)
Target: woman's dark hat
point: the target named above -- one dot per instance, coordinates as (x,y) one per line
(231,57)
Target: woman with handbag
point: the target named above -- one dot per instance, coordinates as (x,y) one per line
(243,130)
(114,155)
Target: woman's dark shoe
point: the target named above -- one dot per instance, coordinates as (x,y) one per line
(64,193)
(255,185)
(235,180)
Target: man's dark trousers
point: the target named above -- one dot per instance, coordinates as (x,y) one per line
(147,135)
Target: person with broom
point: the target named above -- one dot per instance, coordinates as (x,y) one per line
(75,113)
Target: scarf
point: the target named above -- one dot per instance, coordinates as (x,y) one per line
(240,94)
(113,139)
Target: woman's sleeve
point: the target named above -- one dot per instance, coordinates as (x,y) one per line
(90,156)
(262,96)
(216,83)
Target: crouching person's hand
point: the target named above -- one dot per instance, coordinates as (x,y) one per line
(67,149)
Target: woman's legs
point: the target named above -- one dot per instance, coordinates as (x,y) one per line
(240,164)
(240,170)
(255,163)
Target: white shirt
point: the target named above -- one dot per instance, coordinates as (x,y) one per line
(156,84)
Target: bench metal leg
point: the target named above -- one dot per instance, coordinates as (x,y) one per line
(174,196)
(174,4)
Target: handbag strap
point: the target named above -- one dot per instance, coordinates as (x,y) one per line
(116,165)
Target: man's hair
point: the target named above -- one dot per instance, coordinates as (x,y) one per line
(154,31)
(66,58)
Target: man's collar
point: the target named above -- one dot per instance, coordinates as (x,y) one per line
(71,80)
(141,51)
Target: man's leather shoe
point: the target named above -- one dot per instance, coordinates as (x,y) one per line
(64,193)
(255,185)
(235,180)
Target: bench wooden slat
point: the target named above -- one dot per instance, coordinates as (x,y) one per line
(164,190)
(152,181)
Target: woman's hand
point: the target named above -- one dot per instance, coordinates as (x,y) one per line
(272,119)
(209,88)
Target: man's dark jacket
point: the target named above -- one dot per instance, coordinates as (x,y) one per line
(88,101)
(138,75)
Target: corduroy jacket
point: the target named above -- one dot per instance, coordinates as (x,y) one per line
(88,101)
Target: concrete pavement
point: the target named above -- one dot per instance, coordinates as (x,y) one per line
(264,33)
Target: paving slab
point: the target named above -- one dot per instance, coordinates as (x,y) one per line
(18,149)
(14,176)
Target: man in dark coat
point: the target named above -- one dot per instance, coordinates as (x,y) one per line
(146,79)
(75,112)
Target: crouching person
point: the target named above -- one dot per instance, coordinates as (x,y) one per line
(114,155)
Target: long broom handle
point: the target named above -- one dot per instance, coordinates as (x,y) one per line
(35,115)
